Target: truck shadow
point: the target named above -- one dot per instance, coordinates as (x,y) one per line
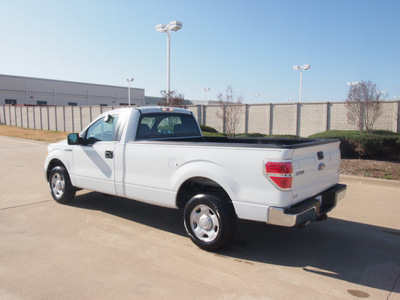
(359,253)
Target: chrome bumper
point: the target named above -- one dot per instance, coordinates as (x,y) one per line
(308,210)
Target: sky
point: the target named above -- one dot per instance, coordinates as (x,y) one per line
(249,45)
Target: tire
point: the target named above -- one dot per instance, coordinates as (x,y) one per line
(209,221)
(60,185)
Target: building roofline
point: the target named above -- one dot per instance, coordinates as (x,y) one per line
(67,81)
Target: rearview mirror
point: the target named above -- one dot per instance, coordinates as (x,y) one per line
(73,139)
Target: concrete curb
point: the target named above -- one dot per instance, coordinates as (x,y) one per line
(369,181)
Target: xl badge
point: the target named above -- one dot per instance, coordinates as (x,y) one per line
(321,166)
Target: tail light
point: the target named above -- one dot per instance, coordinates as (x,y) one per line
(280,173)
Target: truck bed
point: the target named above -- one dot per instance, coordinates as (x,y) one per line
(265,142)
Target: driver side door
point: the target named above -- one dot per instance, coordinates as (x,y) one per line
(94,166)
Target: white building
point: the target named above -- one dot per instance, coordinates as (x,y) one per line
(18,90)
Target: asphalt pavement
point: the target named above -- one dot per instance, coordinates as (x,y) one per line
(104,247)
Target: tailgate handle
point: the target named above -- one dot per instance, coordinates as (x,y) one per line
(320,155)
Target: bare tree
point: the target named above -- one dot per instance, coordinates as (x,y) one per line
(175,99)
(230,107)
(364,105)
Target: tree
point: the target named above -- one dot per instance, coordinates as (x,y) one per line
(175,99)
(364,105)
(230,107)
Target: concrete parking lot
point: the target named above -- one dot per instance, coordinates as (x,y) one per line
(107,247)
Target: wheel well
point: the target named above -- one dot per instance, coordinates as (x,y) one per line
(200,185)
(52,164)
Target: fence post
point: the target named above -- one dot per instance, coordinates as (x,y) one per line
(80,117)
(55,117)
(22,119)
(205,114)
(199,116)
(4,115)
(246,119)
(73,118)
(298,114)
(15,116)
(27,117)
(34,117)
(65,129)
(328,116)
(41,117)
(398,116)
(48,118)
(9,115)
(271,118)
(224,119)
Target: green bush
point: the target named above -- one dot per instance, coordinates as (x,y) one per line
(257,135)
(206,128)
(377,145)
(205,133)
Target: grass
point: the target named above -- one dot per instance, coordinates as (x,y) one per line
(33,134)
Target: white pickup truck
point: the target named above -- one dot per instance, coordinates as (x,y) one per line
(158,155)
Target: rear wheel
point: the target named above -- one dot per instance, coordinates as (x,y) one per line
(209,221)
(60,185)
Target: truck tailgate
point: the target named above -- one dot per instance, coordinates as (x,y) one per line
(315,169)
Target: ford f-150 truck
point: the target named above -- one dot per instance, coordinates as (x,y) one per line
(158,155)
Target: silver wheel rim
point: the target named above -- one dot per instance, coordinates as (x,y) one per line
(204,223)
(58,185)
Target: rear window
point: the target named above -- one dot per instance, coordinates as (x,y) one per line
(166,125)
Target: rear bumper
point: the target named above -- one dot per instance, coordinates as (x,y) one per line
(308,210)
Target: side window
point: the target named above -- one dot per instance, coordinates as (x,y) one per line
(102,130)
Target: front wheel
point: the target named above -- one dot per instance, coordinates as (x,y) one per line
(210,221)
(60,185)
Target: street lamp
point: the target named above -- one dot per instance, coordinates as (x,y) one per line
(205,91)
(129,90)
(301,68)
(174,26)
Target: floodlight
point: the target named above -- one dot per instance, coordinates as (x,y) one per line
(175,25)
(306,67)
(296,67)
(160,27)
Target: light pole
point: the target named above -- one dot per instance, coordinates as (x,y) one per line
(174,26)
(129,90)
(205,91)
(301,68)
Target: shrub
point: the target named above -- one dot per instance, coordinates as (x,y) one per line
(206,128)
(376,145)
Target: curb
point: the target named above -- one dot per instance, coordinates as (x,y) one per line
(371,181)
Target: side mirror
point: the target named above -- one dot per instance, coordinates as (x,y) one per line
(73,139)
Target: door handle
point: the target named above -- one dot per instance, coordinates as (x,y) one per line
(109,154)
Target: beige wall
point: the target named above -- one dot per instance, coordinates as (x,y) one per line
(296,119)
